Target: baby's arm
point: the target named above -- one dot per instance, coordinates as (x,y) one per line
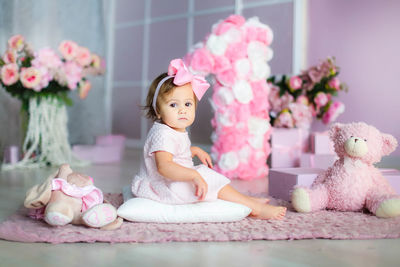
(203,156)
(173,171)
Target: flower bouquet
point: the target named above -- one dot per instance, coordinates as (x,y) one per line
(42,81)
(295,100)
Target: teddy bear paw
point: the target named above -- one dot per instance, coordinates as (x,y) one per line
(100,215)
(57,219)
(389,208)
(301,200)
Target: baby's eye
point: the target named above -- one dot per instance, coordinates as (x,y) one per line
(188,104)
(172,105)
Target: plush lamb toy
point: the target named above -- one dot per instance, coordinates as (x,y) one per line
(70,197)
(353,183)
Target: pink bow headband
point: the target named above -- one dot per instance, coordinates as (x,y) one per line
(182,76)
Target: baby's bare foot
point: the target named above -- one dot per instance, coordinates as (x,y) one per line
(262,200)
(269,212)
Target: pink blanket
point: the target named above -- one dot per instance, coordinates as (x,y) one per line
(323,224)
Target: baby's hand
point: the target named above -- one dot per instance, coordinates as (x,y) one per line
(203,156)
(201,187)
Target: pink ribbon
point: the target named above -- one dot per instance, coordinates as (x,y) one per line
(90,194)
(178,70)
(183,76)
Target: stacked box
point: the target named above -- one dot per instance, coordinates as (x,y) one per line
(321,144)
(283,180)
(287,145)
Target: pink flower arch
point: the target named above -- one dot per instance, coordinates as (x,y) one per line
(236,53)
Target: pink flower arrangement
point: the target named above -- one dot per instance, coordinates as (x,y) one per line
(295,100)
(237,52)
(334,110)
(25,73)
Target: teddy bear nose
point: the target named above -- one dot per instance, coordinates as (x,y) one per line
(355,140)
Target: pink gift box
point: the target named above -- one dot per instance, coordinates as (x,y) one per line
(287,145)
(393,176)
(282,181)
(323,161)
(321,144)
(108,148)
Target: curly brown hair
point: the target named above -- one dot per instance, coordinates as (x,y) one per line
(165,89)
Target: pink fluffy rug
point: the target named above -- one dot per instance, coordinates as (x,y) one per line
(323,224)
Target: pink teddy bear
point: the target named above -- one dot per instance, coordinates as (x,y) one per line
(353,182)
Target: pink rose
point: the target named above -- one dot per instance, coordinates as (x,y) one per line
(284,119)
(228,23)
(68,49)
(72,73)
(45,75)
(301,114)
(257,31)
(303,100)
(230,139)
(222,96)
(227,77)
(16,42)
(237,20)
(83,56)
(334,83)
(321,99)
(259,105)
(47,57)
(236,51)
(10,56)
(274,99)
(335,109)
(202,61)
(295,82)
(286,99)
(9,74)
(30,77)
(84,88)
(256,34)
(315,75)
(221,64)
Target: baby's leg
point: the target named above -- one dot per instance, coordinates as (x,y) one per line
(259,209)
(260,199)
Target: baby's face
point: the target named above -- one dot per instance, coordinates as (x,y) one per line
(177,109)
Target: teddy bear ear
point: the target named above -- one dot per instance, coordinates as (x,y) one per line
(389,144)
(334,130)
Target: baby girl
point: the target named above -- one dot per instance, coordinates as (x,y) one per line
(167,173)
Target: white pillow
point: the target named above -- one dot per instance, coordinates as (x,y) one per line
(146,210)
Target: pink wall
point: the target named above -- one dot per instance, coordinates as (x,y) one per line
(364,36)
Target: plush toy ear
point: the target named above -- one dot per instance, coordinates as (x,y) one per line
(39,195)
(389,144)
(334,130)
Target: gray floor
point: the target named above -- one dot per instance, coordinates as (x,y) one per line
(111,177)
